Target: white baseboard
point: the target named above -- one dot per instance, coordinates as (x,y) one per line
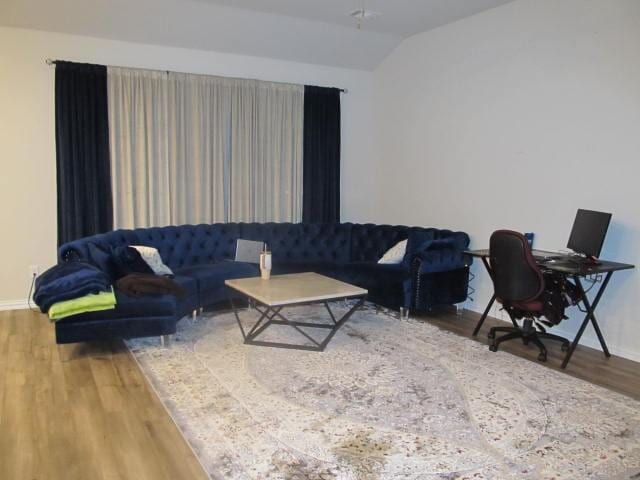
(13,305)
(591,341)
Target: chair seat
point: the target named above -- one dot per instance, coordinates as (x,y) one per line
(531,306)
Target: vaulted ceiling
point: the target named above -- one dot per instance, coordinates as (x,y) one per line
(313,31)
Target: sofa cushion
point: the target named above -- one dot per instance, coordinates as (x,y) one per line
(329,269)
(189,284)
(212,276)
(374,275)
(192,300)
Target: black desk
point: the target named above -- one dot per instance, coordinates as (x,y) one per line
(546,261)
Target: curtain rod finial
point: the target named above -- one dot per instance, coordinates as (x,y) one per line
(49,61)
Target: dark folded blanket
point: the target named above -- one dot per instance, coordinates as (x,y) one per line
(66,281)
(139,284)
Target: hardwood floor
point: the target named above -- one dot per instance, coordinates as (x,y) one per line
(615,373)
(90,417)
(86,411)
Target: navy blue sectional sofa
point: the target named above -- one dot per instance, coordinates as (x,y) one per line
(434,272)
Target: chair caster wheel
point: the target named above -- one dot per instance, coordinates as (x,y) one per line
(493,348)
(542,357)
(565,347)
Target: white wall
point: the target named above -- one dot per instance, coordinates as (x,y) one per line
(27,143)
(514,118)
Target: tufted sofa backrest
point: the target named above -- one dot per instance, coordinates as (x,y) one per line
(181,246)
(187,245)
(369,242)
(302,242)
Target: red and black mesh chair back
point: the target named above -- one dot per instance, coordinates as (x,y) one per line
(516,276)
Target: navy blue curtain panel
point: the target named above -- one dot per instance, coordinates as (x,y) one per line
(321,162)
(82,151)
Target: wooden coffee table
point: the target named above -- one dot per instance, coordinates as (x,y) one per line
(271,296)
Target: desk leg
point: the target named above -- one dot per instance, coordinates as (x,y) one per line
(589,317)
(487,266)
(484,315)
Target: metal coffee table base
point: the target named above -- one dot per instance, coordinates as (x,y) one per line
(272,316)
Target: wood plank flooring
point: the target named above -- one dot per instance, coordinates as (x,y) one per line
(86,412)
(81,412)
(614,373)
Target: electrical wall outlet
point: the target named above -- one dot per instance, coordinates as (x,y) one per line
(34,270)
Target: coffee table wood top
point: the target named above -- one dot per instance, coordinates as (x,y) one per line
(294,288)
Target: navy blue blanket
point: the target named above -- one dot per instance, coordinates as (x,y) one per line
(66,281)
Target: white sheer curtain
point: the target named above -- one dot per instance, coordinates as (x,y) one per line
(195,148)
(138,142)
(198,149)
(266,164)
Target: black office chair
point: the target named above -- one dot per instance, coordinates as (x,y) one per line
(518,285)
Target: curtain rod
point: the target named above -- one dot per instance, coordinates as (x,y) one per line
(50,61)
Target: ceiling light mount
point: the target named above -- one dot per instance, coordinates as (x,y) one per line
(361,14)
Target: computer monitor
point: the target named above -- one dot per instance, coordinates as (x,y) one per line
(588,232)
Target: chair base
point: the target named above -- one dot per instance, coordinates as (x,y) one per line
(528,334)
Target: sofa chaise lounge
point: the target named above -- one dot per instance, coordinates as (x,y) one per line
(434,272)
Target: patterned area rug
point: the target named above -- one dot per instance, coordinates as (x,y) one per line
(389,398)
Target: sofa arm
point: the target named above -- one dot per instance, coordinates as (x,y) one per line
(440,258)
(440,274)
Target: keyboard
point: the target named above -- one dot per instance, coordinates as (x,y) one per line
(543,256)
(570,261)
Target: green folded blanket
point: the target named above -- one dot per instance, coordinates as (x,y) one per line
(94,302)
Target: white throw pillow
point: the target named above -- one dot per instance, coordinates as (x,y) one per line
(395,254)
(152,257)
